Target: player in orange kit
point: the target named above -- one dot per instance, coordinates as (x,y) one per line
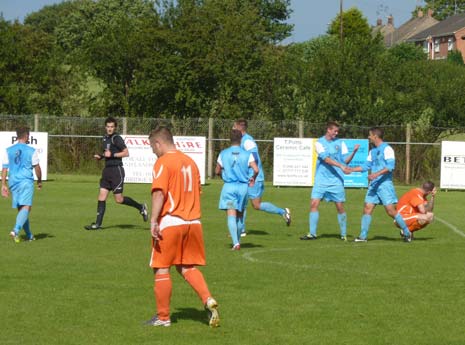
(416,209)
(177,237)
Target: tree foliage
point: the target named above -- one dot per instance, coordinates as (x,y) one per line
(354,25)
(444,8)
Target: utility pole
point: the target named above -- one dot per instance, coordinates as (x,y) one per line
(341,22)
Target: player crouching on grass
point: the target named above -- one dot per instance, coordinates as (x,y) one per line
(114,150)
(416,210)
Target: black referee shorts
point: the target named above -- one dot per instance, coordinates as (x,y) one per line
(113,179)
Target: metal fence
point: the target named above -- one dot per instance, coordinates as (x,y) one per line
(74,140)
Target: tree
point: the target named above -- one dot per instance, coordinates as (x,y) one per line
(354,25)
(443,8)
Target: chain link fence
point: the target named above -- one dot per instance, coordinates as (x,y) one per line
(74,140)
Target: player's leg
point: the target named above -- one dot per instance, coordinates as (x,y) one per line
(365,222)
(21,200)
(314,216)
(232,227)
(162,289)
(255,195)
(118,188)
(21,218)
(342,219)
(392,212)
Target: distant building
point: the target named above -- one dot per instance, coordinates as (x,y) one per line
(442,38)
(406,31)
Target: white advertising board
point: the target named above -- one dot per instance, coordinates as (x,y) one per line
(38,140)
(138,166)
(293,162)
(453,164)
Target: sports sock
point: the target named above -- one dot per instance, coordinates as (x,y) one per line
(101,205)
(21,218)
(195,279)
(313,222)
(131,202)
(400,221)
(270,208)
(27,229)
(342,219)
(233,230)
(366,221)
(241,222)
(162,290)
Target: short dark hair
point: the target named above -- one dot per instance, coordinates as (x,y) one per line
(378,131)
(111,119)
(22,131)
(331,124)
(236,136)
(242,123)
(428,186)
(163,133)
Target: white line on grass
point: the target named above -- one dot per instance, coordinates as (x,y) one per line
(450,226)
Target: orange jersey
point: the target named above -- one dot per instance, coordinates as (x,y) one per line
(178,177)
(409,202)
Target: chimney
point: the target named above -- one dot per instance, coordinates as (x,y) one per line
(420,13)
(390,20)
(430,12)
(379,22)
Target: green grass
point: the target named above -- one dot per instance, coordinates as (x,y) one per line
(72,286)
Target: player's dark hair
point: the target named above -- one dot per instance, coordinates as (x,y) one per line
(332,124)
(111,119)
(22,131)
(378,131)
(428,186)
(162,133)
(242,123)
(236,137)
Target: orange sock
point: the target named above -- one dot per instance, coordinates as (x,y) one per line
(195,278)
(162,289)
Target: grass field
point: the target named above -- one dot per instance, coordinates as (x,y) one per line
(73,286)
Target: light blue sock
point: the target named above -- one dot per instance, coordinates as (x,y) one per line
(241,222)
(270,208)
(401,223)
(313,222)
(342,219)
(21,218)
(27,229)
(366,221)
(232,227)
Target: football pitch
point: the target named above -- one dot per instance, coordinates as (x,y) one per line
(72,286)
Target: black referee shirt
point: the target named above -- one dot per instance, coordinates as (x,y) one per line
(115,144)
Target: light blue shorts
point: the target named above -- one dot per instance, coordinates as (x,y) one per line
(233,197)
(22,194)
(257,190)
(331,193)
(381,194)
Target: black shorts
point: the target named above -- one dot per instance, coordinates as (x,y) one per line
(113,179)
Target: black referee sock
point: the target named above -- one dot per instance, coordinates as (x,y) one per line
(100,212)
(131,202)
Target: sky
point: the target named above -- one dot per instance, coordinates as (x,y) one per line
(310,17)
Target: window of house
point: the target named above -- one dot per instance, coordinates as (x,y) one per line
(437,43)
(450,44)
(426,46)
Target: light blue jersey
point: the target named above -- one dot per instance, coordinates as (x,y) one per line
(235,164)
(248,143)
(326,174)
(381,189)
(19,160)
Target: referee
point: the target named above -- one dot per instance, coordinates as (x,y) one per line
(114,149)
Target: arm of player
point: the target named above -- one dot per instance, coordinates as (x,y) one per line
(349,159)
(254,167)
(345,169)
(383,171)
(5,191)
(38,172)
(157,204)
(430,204)
(218,169)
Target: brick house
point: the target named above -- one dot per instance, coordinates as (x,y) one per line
(413,26)
(442,38)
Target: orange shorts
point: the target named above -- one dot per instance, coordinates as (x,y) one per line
(180,245)
(413,223)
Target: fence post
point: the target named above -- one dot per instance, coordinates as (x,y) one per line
(125,125)
(301,129)
(36,122)
(210,148)
(408,134)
